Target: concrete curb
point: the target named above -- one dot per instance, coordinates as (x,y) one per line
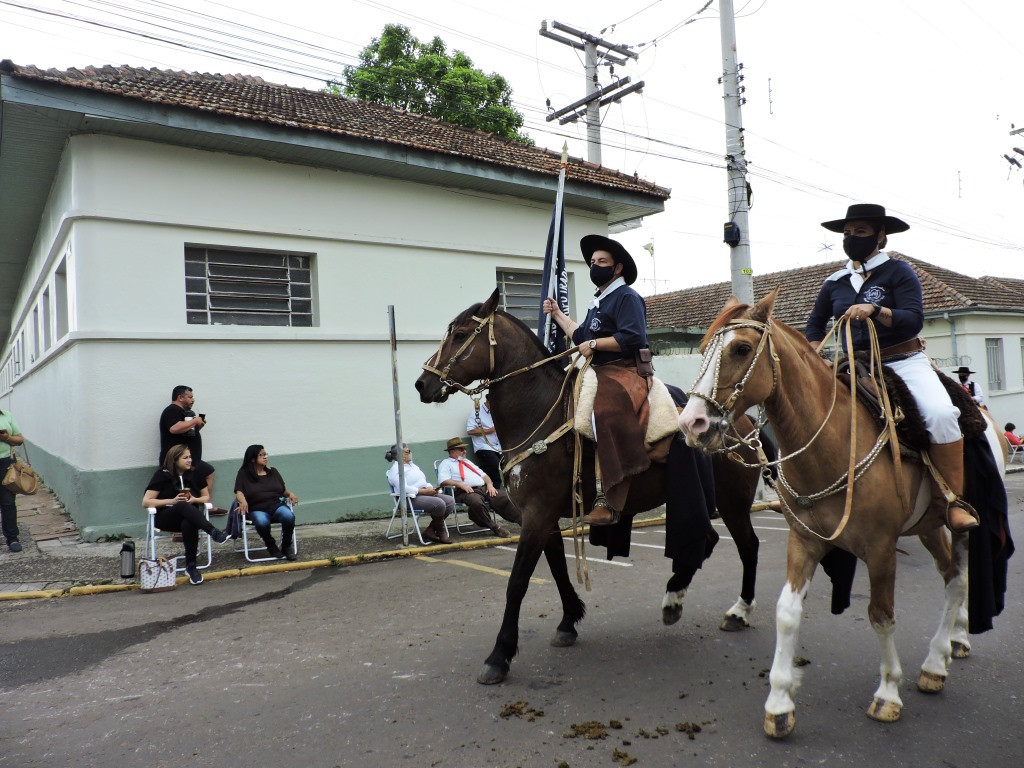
(337,562)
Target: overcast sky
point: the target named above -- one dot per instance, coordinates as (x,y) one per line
(907,103)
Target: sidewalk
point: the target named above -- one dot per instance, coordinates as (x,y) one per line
(55,559)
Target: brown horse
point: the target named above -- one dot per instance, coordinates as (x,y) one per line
(751,358)
(486,344)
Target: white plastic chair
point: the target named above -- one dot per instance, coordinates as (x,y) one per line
(1014,451)
(153,534)
(249,527)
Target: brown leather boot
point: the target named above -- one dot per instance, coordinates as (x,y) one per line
(601,513)
(442,535)
(949,460)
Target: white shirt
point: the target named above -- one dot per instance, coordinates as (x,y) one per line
(449,470)
(414,478)
(488,442)
(979,396)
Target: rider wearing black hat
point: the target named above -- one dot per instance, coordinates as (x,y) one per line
(613,332)
(874,286)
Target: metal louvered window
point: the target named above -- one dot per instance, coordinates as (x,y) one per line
(236,287)
(996,369)
(520,295)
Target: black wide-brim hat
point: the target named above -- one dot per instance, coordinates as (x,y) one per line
(963,369)
(591,243)
(869,212)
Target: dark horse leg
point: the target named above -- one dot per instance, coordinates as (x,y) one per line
(506,646)
(728,487)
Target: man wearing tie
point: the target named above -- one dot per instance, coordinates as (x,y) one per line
(472,485)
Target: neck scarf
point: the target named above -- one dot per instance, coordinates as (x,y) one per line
(857,275)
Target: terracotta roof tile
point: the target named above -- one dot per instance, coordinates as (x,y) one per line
(942,290)
(251,98)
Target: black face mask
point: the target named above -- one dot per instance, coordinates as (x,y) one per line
(601,275)
(859,248)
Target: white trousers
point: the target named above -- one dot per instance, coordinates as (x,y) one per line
(940,415)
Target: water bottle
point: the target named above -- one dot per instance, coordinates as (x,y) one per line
(128,560)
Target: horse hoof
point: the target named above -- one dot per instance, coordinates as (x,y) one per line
(733,623)
(929,682)
(563,639)
(961,650)
(670,614)
(491,675)
(884,711)
(779,726)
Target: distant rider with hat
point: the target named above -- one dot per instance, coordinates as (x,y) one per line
(473,487)
(874,286)
(612,333)
(972,388)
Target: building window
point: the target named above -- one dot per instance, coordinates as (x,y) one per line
(996,370)
(520,295)
(235,287)
(1022,357)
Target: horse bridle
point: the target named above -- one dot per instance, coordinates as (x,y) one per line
(444,373)
(715,353)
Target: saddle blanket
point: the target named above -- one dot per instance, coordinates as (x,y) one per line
(663,421)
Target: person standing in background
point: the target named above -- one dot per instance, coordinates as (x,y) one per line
(9,435)
(180,425)
(486,446)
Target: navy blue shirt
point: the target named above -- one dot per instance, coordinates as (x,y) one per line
(892,284)
(622,314)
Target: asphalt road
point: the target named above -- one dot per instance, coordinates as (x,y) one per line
(376,665)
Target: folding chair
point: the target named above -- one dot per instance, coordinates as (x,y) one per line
(397,515)
(463,508)
(153,534)
(1014,451)
(248,526)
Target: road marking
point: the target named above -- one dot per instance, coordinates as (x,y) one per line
(477,567)
(571,556)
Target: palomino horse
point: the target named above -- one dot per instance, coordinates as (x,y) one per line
(528,400)
(751,359)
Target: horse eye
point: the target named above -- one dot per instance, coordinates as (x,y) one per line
(742,350)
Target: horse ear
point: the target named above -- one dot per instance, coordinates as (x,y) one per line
(732,301)
(491,304)
(763,309)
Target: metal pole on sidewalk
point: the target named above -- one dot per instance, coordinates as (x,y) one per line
(402,501)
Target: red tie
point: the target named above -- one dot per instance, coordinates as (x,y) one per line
(462,469)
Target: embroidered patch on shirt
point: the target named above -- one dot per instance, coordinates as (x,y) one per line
(874,294)
(595,323)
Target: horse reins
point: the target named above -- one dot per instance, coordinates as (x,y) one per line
(752,440)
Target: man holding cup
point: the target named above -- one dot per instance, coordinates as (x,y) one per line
(180,425)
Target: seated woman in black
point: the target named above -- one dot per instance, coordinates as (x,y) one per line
(179,496)
(261,494)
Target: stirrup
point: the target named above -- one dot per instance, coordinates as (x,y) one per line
(968,509)
(602,513)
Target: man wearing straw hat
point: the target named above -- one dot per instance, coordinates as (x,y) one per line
(473,487)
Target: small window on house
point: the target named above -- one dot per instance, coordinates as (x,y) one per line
(228,287)
(520,294)
(996,368)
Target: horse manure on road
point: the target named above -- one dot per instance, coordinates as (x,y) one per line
(688,728)
(591,729)
(521,709)
(622,757)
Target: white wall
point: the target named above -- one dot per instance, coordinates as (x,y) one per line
(126,209)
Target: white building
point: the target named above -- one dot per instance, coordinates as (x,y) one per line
(246,239)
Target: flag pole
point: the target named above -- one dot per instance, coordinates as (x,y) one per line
(553,278)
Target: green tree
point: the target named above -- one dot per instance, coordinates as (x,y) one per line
(400,71)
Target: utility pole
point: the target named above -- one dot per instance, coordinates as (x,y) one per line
(737,232)
(596,53)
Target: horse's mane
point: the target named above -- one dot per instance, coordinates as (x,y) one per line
(724,318)
(474,311)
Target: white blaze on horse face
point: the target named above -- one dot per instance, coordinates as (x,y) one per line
(695,419)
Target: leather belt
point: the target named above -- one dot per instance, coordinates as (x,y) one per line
(903,350)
